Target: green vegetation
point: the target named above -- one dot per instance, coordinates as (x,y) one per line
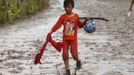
(14,9)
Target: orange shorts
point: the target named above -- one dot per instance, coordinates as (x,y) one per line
(72,46)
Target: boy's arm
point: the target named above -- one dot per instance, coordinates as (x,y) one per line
(81,23)
(57,25)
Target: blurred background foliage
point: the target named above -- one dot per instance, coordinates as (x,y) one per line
(16,9)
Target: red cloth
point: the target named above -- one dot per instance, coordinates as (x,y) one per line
(56,45)
(41,51)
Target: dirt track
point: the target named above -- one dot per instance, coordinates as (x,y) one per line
(108,51)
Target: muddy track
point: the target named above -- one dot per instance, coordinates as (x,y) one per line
(108,51)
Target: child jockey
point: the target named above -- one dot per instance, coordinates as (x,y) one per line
(70,22)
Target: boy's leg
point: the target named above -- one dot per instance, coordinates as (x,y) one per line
(67,67)
(65,56)
(74,52)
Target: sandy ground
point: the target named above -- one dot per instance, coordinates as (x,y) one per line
(108,51)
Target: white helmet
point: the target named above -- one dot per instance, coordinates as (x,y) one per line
(90,26)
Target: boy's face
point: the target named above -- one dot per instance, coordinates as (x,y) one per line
(68,9)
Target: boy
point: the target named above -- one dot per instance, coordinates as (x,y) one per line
(130,9)
(70,22)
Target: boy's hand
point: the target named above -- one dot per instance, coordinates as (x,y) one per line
(50,32)
(88,18)
(49,36)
